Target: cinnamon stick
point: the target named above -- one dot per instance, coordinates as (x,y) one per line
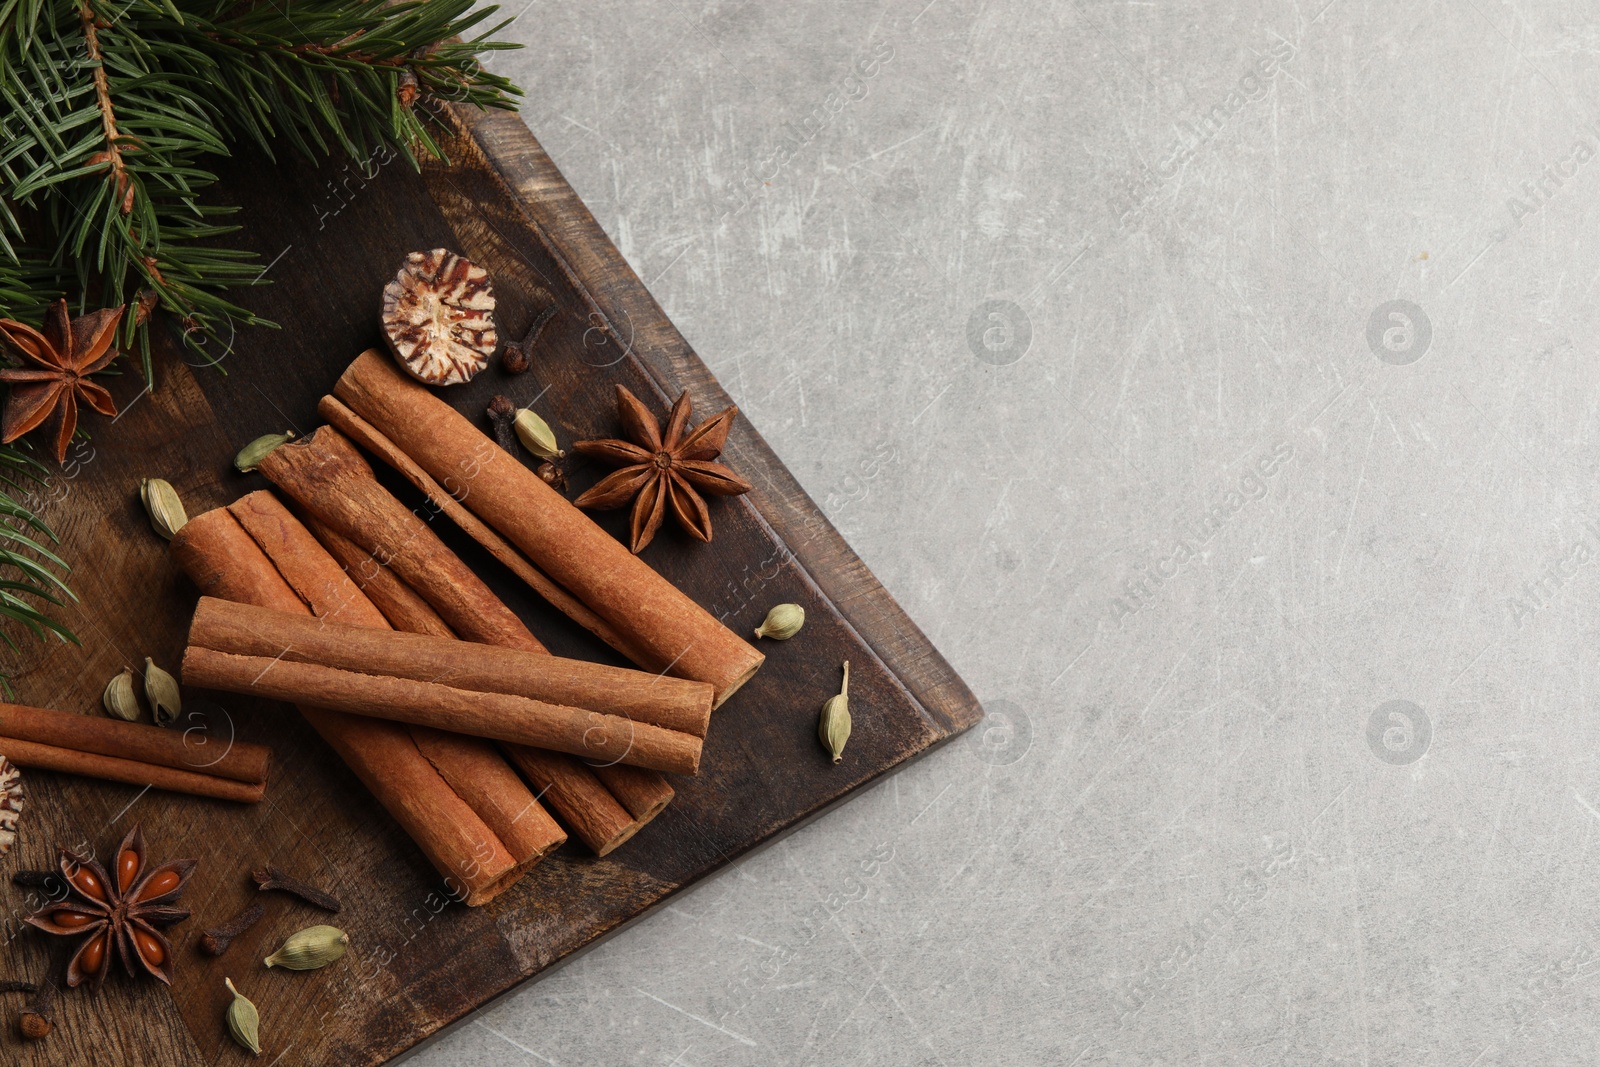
(316,578)
(469,765)
(223,560)
(592,734)
(482,778)
(132,772)
(398,602)
(671,703)
(643,793)
(326,476)
(138,742)
(308,569)
(367,436)
(584,804)
(671,631)
(599,820)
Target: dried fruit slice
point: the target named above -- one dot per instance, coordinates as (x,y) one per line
(438,316)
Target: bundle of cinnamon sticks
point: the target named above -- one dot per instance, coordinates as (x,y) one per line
(584,709)
(562,554)
(426,684)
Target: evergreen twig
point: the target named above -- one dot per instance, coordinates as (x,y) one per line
(108,112)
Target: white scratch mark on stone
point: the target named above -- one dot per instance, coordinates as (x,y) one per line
(932,402)
(699,1019)
(1355,498)
(931,803)
(517,1044)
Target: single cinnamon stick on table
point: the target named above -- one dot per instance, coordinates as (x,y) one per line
(325,475)
(137,742)
(225,561)
(671,703)
(32,754)
(668,628)
(469,765)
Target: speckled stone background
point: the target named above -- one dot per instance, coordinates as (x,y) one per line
(1215,384)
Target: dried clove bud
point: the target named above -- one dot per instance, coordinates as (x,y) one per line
(503,415)
(215,942)
(518,355)
(553,476)
(272,878)
(35,1021)
(513,360)
(51,882)
(34,1026)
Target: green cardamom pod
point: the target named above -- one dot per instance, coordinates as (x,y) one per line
(313,947)
(164,506)
(782,622)
(161,689)
(536,435)
(119,699)
(251,455)
(834,725)
(244,1022)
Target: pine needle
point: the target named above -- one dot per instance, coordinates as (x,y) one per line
(109,113)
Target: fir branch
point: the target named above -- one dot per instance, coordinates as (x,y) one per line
(112,153)
(26,575)
(105,149)
(108,111)
(341,77)
(19,19)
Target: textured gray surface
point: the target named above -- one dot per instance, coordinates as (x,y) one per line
(1188,509)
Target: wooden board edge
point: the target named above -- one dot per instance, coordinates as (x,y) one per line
(553,207)
(518,985)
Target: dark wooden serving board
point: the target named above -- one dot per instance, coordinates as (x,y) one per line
(333,237)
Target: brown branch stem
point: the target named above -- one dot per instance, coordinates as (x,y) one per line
(108,120)
(371,59)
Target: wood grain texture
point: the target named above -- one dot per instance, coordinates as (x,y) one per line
(418,963)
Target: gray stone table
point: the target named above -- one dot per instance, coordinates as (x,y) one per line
(1215,384)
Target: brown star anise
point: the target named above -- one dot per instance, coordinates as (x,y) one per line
(663,468)
(63,357)
(127,912)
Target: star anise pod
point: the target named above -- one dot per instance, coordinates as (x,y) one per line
(663,469)
(62,357)
(126,913)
